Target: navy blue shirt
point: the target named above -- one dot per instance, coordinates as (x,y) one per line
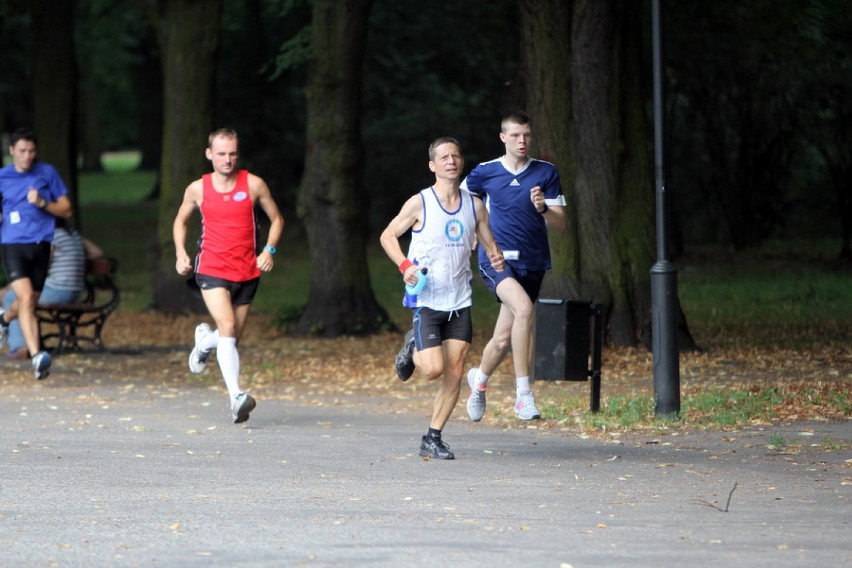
(520,230)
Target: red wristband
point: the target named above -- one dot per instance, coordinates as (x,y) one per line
(404,265)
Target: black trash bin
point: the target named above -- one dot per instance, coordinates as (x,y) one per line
(568,343)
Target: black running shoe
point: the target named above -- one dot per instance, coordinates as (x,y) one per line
(435,448)
(405,358)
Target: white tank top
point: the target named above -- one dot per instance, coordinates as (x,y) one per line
(443,244)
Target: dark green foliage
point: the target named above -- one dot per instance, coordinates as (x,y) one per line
(432,69)
(758,99)
(742,80)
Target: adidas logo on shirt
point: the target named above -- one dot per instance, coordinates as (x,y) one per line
(514,183)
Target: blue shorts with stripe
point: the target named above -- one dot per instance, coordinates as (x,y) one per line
(530,280)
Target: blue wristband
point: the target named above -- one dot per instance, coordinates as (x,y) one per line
(270,250)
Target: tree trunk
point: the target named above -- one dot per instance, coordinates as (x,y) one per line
(55,89)
(591,121)
(545,37)
(91,134)
(188,32)
(332,202)
(148,84)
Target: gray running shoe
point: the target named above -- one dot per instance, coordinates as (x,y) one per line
(435,448)
(476,401)
(41,365)
(197,357)
(525,407)
(241,406)
(405,358)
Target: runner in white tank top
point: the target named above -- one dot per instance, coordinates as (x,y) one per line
(443,245)
(443,220)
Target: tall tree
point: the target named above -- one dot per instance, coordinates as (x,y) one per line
(148,82)
(546,42)
(55,88)
(590,122)
(188,33)
(332,201)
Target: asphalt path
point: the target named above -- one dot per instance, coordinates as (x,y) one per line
(124,473)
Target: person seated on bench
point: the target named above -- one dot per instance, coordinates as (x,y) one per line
(66,278)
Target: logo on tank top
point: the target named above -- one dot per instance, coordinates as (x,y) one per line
(454,230)
(240,196)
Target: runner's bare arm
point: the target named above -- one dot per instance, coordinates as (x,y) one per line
(191,200)
(263,196)
(486,237)
(409,216)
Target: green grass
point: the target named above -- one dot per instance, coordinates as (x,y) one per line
(120,182)
(727,407)
(774,292)
(125,232)
(123,161)
(116,188)
(780,299)
(621,412)
(778,442)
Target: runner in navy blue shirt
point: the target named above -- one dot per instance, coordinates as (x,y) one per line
(33,196)
(524,197)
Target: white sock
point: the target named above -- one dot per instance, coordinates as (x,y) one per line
(210,341)
(481,380)
(522,384)
(229,363)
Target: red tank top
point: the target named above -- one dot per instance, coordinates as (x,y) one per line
(228,244)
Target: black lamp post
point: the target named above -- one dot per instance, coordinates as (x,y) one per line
(663,274)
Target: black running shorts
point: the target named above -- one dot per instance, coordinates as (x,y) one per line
(432,328)
(27,261)
(241,292)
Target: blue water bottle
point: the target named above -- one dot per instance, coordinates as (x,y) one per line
(421,282)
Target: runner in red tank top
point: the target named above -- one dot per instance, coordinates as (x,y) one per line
(227,270)
(228,232)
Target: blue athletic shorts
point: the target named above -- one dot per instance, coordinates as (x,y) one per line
(530,280)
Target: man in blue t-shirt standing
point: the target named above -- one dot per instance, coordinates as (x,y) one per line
(524,197)
(33,196)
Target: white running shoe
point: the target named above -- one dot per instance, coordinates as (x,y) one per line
(241,406)
(525,407)
(197,357)
(41,365)
(476,401)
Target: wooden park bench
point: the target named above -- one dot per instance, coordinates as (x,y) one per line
(68,327)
